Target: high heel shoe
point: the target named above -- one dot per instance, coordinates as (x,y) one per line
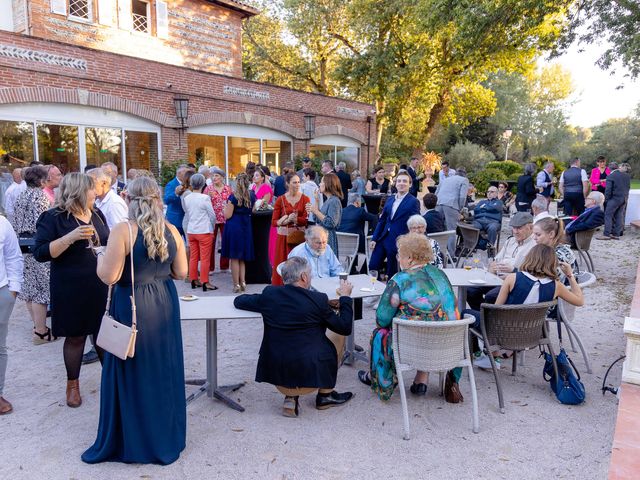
(195,284)
(42,338)
(236,289)
(207,286)
(243,286)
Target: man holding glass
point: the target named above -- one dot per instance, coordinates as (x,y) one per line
(315,250)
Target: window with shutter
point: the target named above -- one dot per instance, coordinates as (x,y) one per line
(140,16)
(105,12)
(59,7)
(162,19)
(124,14)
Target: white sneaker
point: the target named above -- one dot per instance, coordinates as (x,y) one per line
(482,361)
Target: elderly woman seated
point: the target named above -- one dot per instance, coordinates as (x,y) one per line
(417,224)
(418,292)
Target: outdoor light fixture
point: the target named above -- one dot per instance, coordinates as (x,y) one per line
(182,109)
(506,135)
(310,125)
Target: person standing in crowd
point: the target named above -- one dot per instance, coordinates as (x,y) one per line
(289,217)
(306,163)
(487,215)
(592,217)
(615,196)
(415,178)
(598,177)
(15,189)
(204,171)
(434,218)
(358,183)
(354,219)
(237,238)
(452,198)
(111,169)
(574,186)
(526,188)
(544,181)
(330,214)
(327,167)
(280,184)
(200,220)
(445,171)
(64,237)
(112,206)
(29,205)
(183,190)
(250,169)
(219,193)
(345,182)
(310,188)
(54,177)
(261,185)
(175,213)
(392,224)
(11,265)
(142,403)
(378,183)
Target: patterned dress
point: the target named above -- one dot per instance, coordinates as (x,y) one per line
(29,205)
(564,254)
(421,294)
(218,201)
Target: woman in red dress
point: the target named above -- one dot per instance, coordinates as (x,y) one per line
(289,215)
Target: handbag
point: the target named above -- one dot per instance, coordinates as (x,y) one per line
(26,241)
(115,337)
(567,387)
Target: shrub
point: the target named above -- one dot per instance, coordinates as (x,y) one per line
(481,179)
(168,172)
(469,155)
(559,165)
(511,169)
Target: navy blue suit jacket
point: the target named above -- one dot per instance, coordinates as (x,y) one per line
(353,219)
(591,218)
(435,221)
(388,229)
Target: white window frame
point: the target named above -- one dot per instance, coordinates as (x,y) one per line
(148,8)
(80,19)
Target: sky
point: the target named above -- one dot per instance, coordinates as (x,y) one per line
(596,98)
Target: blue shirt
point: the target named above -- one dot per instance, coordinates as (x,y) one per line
(325,265)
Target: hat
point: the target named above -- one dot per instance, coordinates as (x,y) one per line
(217,170)
(520,219)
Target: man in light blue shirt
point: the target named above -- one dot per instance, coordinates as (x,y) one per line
(452,197)
(315,250)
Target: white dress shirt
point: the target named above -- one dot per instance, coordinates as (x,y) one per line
(541,215)
(114,208)
(199,212)
(11,262)
(11,195)
(397,202)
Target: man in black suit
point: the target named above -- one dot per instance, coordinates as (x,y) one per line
(297,354)
(354,218)
(434,218)
(415,178)
(615,195)
(345,182)
(592,217)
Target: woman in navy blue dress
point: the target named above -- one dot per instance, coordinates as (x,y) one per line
(237,238)
(142,399)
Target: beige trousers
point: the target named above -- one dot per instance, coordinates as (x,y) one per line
(338,341)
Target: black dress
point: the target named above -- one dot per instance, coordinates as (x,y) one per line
(526,193)
(78,296)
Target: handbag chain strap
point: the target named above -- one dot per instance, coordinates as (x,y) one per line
(133,296)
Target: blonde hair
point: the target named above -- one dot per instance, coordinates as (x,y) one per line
(552,225)
(145,208)
(416,246)
(541,262)
(242,193)
(72,195)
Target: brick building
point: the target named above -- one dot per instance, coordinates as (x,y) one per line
(88,81)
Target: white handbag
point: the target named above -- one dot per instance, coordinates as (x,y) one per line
(114,337)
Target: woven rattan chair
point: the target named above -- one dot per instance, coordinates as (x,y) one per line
(469,240)
(348,248)
(583,244)
(513,327)
(432,347)
(442,238)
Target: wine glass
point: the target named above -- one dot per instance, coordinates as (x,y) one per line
(373,276)
(467,264)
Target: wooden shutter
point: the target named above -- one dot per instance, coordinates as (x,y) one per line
(105,12)
(125,19)
(59,7)
(162,19)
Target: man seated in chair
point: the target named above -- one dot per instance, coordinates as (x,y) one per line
(354,218)
(592,217)
(298,355)
(318,253)
(434,218)
(487,215)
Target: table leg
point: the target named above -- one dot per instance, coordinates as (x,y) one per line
(350,353)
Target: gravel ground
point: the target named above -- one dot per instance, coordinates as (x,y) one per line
(537,437)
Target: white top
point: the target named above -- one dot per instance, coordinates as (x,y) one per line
(11,262)
(534,293)
(114,208)
(396,203)
(309,189)
(199,212)
(11,195)
(442,176)
(541,215)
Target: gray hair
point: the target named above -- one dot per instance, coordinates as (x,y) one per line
(575,161)
(415,220)
(530,169)
(313,232)
(197,182)
(353,198)
(202,169)
(597,197)
(461,172)
(111,167)
(99,175)
(625,167)
(539,204)
(548,164)
(341,166)
(293,269)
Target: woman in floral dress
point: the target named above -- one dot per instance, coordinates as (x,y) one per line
(219,193)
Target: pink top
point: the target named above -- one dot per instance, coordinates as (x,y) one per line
(595,178)
(50,195)
(218,200)
(264,189)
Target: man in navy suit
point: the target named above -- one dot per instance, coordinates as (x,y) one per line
(415,178)
(434,218)
(354,218)
(592,217)
(392,224)
(175,213)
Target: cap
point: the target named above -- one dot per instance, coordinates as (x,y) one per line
(520,219)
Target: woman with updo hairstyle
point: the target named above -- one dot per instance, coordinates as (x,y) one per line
(67,236)
(142,401)
(550,231)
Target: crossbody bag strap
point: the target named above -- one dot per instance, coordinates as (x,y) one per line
(133,290)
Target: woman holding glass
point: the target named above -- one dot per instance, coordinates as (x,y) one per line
(219,194)
(65,236)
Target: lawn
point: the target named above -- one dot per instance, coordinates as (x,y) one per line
(635,183)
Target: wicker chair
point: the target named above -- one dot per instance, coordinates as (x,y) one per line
(513,327)
(348,247)
(470,237)
(583,244)
(432,347)
(442,238)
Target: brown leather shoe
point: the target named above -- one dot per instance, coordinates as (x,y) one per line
(452,392)
(5,407)
(74,399)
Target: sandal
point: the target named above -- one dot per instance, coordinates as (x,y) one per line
(243,287)
(364,377)
(42,338)
(290,407)
(418,388)
(236,289)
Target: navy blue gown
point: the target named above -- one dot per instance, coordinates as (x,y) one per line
(143,413)
(237,237)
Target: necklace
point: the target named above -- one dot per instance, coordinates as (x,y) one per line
(94,240)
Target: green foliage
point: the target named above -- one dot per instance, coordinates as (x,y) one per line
(481,179)
(558,165)
(390,160)
(472,157)
(510,168)
(316,162)
(167,172)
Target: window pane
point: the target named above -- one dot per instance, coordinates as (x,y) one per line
(348,155)
(321,152)
(241,151)
(276,154)
(79,8)
(58,145)
(16,143)
(206,150)
(142,151)
(139,16)
(103,145)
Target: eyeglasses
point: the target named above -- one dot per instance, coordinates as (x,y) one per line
(501,186)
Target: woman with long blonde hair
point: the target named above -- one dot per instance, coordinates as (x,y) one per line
(142,402)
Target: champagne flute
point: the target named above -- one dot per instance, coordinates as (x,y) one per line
(373,275)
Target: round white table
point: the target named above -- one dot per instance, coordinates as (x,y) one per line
(633,207)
